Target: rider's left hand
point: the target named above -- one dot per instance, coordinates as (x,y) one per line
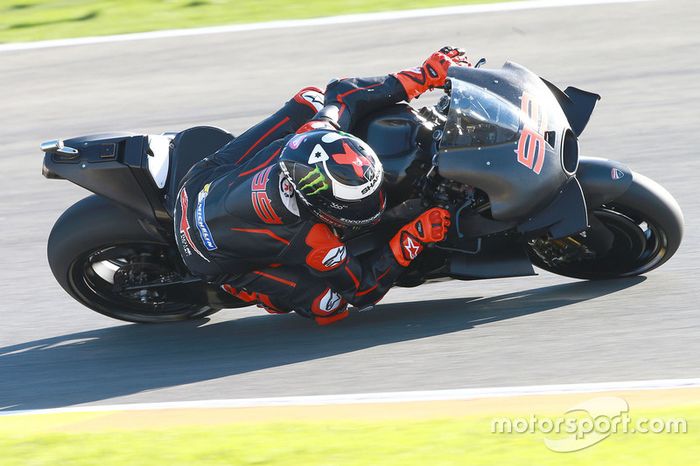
(432,73)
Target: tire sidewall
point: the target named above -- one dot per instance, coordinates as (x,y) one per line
(95,223)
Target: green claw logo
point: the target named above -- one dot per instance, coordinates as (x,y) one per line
(314,181)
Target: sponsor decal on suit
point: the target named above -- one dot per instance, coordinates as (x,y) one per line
(201,220)
(184,237)
(288,196)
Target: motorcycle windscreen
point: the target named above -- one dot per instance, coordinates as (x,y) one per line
(479,118)
(492,144)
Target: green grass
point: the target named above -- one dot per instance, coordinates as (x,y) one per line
(26,20)
(455,441)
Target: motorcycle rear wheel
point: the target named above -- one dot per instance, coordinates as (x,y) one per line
(99,253)
(647,227)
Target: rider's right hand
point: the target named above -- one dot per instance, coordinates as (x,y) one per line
(429,227)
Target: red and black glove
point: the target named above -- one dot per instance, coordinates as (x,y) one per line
(432,74)
(430,227)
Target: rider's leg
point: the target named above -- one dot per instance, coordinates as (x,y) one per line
(286,289)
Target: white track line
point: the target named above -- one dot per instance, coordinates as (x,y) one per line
(382,397)
(331,20)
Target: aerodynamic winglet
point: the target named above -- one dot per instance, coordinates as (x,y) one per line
(577,105)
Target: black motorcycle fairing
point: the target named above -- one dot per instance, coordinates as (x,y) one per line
(577,105)
(565,216)
(602,180)
(113,165)
(497,257)
(520,161)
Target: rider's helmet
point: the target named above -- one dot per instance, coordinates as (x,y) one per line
(336,175)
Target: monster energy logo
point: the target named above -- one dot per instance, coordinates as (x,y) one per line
(314,181)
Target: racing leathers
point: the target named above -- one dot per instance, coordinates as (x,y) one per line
(238,221)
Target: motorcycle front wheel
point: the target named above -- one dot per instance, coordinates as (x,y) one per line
(631,235)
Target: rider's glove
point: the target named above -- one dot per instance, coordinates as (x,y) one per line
(430,227)
(325,318)
(433,73)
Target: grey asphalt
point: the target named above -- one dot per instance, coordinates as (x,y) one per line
(538,330)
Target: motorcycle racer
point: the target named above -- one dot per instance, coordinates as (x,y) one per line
(264,214)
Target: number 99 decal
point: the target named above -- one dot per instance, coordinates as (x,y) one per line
(531,145)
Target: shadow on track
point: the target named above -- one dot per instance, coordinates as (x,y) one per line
(100,364)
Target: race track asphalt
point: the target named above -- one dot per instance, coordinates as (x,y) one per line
(641,57)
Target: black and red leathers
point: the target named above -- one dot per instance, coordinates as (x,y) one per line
(238,222)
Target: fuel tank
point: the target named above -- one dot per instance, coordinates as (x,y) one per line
(395,134)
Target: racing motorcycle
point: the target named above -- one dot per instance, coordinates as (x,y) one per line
(500,150)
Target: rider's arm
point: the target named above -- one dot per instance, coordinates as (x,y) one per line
(348,100)
(364,280)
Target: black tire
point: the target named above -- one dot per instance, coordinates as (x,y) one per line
(96,228)
(647,224)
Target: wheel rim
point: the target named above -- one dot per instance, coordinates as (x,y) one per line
(638,245)
(110,277)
